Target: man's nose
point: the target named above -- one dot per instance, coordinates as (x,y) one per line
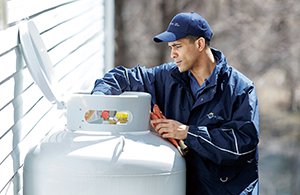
(173,54)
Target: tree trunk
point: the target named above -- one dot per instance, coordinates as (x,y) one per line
(291,82)
(120,49)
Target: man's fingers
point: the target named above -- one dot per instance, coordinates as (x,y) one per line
(156,122)
(163,130)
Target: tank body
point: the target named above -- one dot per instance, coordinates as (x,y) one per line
(87,160)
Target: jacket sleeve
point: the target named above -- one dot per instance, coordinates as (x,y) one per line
(233,140)
(122,79)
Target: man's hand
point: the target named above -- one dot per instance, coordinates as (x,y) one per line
(168,128)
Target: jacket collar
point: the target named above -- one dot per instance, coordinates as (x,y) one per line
(181,77)
(220,71)
(221,68)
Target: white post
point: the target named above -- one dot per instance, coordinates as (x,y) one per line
(109,29)
(3,14)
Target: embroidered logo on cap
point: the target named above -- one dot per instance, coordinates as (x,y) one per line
(175,24)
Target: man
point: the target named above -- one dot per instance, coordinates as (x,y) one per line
(208,104)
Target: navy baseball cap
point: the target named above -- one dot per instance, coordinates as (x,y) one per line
(184,24)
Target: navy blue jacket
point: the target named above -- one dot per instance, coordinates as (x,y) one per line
(223,121)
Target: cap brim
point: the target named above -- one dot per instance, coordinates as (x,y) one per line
(165,37)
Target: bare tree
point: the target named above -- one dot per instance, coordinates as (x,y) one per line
(120,49)
(254,36)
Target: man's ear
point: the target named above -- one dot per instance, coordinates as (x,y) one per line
(200,43)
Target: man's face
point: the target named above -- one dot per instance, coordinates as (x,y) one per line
(184,53)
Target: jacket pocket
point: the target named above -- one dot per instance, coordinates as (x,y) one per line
(237,178)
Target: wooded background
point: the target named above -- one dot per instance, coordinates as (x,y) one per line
(259,38)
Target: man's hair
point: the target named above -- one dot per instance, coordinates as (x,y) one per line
(192,39)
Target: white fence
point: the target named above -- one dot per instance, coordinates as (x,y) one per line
(78,37)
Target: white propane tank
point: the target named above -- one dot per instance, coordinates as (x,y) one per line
(107,149)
